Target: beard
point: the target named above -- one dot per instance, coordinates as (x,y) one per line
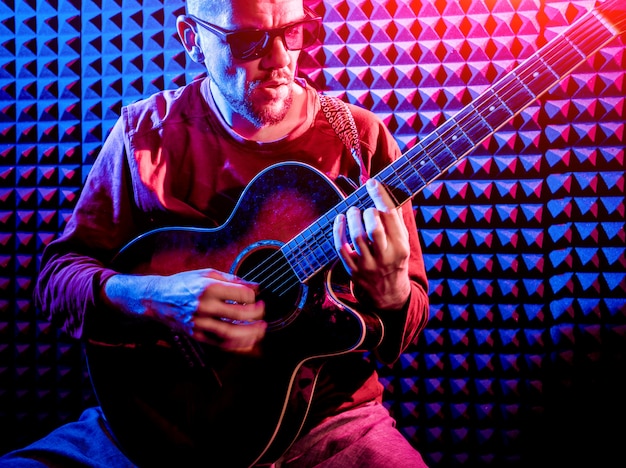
(272,114)
(258,108)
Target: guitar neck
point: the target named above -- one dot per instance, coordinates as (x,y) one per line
(313,249)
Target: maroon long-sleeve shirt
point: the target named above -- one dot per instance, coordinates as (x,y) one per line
(170,161)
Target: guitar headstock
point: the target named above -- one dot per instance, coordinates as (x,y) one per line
(614,11)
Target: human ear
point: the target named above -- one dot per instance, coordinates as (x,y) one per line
(188,33)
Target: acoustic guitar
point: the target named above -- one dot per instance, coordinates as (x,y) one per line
(170,401)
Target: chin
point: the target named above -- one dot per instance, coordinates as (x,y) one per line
(271,116)
(272,112)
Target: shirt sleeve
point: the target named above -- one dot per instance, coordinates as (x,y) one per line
(72,269)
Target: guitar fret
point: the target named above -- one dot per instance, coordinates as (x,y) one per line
(400,187)
(444,155)
(603,31)
(494,112)
(428,168)
(312,249)
(415,180)
(459,142)
(406,160)
(480,127)
(541,78)
(411,178)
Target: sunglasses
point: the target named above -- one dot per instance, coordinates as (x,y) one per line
(250,44)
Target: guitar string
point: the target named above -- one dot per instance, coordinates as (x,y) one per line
(277,262)
(475,117)
(438,143)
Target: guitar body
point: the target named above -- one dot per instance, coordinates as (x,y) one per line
(171,401)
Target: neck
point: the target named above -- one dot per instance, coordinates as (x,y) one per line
(297,118)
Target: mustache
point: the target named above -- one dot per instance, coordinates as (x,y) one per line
(274,76)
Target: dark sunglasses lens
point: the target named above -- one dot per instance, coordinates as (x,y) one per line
(302,35)
(247,44)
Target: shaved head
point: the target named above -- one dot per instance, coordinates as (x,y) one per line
(210,8)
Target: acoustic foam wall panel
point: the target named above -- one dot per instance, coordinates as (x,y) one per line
(41,176)
(524,240)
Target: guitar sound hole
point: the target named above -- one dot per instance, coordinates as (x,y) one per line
(280,289)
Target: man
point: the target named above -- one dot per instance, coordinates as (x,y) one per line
(184,158)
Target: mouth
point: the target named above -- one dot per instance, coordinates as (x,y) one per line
(273,84)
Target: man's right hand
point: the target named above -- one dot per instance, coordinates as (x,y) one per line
(213,307)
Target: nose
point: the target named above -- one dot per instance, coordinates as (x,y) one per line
(277,55)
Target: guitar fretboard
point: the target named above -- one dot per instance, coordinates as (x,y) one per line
(313,249)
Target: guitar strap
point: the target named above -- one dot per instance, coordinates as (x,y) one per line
(342,122)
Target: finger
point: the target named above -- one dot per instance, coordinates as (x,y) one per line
(379,194)
(390,215)
(358,233)
(227,292)
(244,313)
(228,278)
(231,311)
(342,246)
(231,337)
(238,294)
(375,229)
(216,324)
(339,233)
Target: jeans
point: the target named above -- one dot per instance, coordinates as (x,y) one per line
(362,437)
